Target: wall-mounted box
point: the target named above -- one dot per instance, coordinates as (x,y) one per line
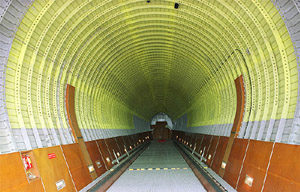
(91,168)
(209,156)
(223,165)
(98,163)
(60,184)
(248,180)
(30,166)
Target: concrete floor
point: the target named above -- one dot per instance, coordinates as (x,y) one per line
(159,168)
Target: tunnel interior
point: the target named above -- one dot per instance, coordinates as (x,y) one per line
(88,84)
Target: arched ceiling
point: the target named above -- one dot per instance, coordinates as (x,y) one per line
(130,57)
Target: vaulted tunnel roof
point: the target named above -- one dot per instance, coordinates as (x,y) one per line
(136,58)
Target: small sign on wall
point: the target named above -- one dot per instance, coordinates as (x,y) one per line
(51,155)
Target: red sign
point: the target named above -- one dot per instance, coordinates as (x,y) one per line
(51,155)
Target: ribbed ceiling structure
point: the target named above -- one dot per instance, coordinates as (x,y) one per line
(133,57)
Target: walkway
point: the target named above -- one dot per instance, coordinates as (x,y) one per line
(159,168)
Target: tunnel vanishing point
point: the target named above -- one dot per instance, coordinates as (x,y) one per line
(149,95)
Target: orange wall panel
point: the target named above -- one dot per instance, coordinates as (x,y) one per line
(193,139)
(105,153)
(121,144)
(284,170)
(68,163)
(77,165)
(112,147)
(96,156)
(143,136)
(188,137)
(235,161)
(212,149)
(53,170)
(127,142)
(255,165)
(240,105)
(13,177)
(133,140)
(205,144)
(216,164)
(70,108)
(35,186)
(199,141)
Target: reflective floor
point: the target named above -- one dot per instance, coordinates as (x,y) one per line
(159,168)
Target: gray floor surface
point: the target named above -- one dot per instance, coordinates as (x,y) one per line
(159,168)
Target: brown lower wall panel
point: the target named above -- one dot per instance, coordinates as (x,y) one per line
(255,165)
(96,156)
(105,153)
(284,170)
(280,184)
(212,149)
(254,172)
(77,166)
(145,135)
(177,134)
(113,147)
(283,173)
(127,142)
(187,138)
(53,170)
(67,163)
(217,161)
(13,177)
(199,141)
(181,136)
(121,144)
(205,145)
(235,161)
(193,139)
(134,140)
(35,186)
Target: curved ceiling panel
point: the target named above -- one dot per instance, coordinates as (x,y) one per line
(130,58)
